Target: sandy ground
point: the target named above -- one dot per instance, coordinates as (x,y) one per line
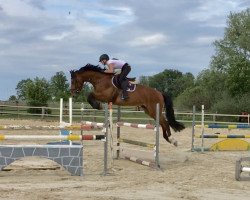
(183,175)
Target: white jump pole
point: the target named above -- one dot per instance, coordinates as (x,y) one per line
(61,110)
(70,116)
(245,169)
(70,111)
(82,112)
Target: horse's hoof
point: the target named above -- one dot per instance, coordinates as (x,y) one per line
(173,141)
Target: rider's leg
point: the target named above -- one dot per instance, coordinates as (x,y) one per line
(124,87)
(123,80)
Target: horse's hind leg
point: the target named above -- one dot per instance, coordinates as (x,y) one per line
(151,111)
(166,131)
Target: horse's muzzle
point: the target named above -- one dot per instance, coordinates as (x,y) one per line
(73,92)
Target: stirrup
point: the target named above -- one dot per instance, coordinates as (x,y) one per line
(124,97)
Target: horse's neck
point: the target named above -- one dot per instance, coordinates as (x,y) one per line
(96,77)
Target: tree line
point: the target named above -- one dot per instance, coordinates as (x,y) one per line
(224,87)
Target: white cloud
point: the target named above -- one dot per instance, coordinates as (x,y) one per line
(56,36)
(149,40)
(205,40)
(17,8)
(4,41)
(213,12)
(110,16)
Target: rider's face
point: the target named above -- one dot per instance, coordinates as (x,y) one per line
(104,62)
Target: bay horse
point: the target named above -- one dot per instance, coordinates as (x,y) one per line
(143,96)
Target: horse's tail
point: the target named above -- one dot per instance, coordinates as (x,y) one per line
(177,126)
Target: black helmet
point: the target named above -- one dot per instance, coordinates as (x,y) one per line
(103,57)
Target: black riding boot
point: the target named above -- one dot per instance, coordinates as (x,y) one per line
(124,95)
(124,90)
(123,80)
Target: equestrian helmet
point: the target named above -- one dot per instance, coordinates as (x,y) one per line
(103,57)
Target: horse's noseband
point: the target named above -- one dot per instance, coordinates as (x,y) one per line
(76,84)
(74,91)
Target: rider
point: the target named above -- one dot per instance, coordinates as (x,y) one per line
(114,64)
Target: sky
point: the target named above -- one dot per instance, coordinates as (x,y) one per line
(41,37)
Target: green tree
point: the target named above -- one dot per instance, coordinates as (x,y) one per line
(213,85)
(12,98)
(59,86)
(209,87)
(182,83)
(165,80)
(192,96)
(144,80)
(172,82)
(37,93)
(21,88)
(34,92)
(233,53)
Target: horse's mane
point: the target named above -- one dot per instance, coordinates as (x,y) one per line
(90,67)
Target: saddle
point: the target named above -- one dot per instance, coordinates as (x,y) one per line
(131,83)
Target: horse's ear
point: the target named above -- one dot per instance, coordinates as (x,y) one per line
(72,72)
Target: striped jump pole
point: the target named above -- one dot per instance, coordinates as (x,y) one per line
(230,126)
(30,127)
(72,137)
(93,124)
(223,136)
(145,126)
(140,161)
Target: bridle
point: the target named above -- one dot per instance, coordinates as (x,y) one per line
(76,83)
(76,89)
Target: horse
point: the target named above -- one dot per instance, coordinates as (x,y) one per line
(143,96)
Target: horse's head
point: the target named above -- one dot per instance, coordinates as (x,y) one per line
(76,83)
(88,73)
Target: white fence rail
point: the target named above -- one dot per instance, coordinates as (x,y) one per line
(131,113)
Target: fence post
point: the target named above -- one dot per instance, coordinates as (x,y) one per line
(203,127)
(193,128)
(105,165)
(43,112)
(118,132)
(157,142)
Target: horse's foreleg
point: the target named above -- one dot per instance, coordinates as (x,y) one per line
(93,102)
